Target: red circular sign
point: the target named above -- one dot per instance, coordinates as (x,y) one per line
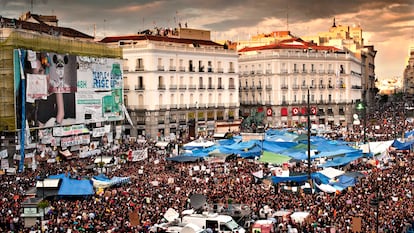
(269,112)
(313,110)
(295,111)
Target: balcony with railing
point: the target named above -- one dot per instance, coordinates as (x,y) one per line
(201,87)
(160,68)
(304,71)
(181,68)
(220,87)
(161,87)
(210,69)
(139,68)
(331,72)
(321,71)
(312,86)
(192,87)
(126,87)
(295,87)
(211,87)
(295,71)
(283,71)
(259,87)
(269,71)
(232,70)
(304,87)
(125,68)
(139,87)
(284,86)
(172,68)
(172,87)
(330,86)
(219,70)
(268,87)
(182,87)
(232,87)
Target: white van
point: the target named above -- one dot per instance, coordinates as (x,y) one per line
(217,223)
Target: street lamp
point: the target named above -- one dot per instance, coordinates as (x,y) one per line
(309,133)
(361,107)
(376,203)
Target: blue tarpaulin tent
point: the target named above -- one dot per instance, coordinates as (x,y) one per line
(73,187)
(184,158)
(343,160)
(402,145)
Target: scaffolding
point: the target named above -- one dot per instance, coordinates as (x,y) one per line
(11,38)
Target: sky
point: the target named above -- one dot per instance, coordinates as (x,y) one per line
(386,24)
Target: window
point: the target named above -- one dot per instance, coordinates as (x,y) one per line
(126,100)
(140,82)
(139,65)
(303,67)
(231,69)
(190,66)
(231,83)
(200,66)
(210,83)
(200,82)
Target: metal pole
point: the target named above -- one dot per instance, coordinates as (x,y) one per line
(365,123)
(309,132)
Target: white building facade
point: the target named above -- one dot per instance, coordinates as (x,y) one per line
(177,86)
(275,79)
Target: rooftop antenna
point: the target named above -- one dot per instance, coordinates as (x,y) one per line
(31,6)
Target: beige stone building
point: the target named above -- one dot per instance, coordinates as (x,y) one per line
(178,83)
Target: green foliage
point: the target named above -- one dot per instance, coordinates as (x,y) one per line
(43,204)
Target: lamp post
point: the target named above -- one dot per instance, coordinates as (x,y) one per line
(361,107)
(309,132)
(376,203)
(42,179)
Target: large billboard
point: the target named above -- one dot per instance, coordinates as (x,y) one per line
(64,89)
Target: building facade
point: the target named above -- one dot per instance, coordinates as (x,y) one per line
(351,38)
(276,79)
(178,84)
(408,83)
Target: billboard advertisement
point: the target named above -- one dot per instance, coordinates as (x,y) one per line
(65,89)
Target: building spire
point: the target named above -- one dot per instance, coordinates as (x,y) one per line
(334,24)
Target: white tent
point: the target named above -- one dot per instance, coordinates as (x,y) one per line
(331,172)
(199,143)
(299,216)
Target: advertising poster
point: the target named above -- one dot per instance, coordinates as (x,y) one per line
(64,89)
(99,97)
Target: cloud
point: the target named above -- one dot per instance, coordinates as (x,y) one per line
(387,24)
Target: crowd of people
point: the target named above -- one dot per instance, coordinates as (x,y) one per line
(158,184)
